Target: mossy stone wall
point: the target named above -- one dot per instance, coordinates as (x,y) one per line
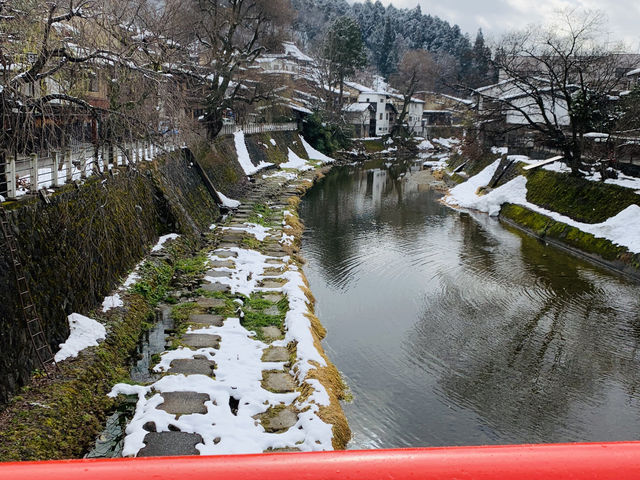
(219,161)
(80,246)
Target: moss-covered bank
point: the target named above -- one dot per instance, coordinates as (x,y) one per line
(78,248)
(576,241)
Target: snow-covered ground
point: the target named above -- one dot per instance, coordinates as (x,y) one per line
(85,332)
(622,229)
(296,163)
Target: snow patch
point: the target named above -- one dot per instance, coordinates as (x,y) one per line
(314,154)
(85,332)
(243,155)
(622,229)
(296,163)
(114,301)
(228,202)
(164,239)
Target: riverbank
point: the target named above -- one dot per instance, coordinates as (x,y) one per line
(599,221)
(264,353)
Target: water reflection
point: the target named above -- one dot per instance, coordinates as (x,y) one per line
(452,329)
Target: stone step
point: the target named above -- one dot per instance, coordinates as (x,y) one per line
(207,319)
(273,297)
(217,274)
(278,382)
(192,366)
(221,264)
(184,403)
(215,287)
(201,340)
(276,354)
(206,302)
(280,420)
(272,283)
(225,254)
(166,444)
(271,333)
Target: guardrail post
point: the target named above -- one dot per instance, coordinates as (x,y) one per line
(33,187)
(68,166)
(83,163)
(55,181)
(11,177)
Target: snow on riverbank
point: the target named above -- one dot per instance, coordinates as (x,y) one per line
(85,332)
(243,155)
(239,374)
(314,154)
(296,163)
(622,229)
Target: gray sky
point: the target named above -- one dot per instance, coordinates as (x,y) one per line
(497,16)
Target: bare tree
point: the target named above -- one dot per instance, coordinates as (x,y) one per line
(417,71)
(219,40)
(555,78)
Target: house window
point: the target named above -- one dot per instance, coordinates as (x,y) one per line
(380,116)
(387,116)
(381,100)
(367,100)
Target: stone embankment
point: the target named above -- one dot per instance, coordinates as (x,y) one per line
(244,371)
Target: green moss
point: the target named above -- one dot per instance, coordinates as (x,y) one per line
(373,146)
(180,313)
(154,281)
(57,420)
(262,215)
(255,316)
(251,242)
(192,267)
(546,227)
(578,198)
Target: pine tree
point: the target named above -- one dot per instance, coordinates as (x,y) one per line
(344,51)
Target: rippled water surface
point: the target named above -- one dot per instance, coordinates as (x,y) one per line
(454,330)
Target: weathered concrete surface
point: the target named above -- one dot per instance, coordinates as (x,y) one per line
(279,382)
(206,302)
(207,320)
(184,403)
(201,340)
(271,333)
(275,354)
(164,444)
(192,366)
(215,287)
(283,419)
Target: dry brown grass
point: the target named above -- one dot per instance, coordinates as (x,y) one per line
(327,375)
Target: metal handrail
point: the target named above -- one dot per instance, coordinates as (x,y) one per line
(603,461)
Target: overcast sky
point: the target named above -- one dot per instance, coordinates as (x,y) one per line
(496,16)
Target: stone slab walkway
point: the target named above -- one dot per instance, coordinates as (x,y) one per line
(238,380)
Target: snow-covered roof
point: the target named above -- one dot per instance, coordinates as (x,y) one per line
(357,107)
(361,88)
(634,72)
(292,50)
(456,99)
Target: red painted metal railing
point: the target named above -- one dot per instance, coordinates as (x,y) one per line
(540,462)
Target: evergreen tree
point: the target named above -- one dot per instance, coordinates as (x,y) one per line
(344,52)
(481,62)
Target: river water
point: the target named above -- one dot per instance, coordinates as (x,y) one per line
(452,329)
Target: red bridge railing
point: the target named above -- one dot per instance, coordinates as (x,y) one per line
(540,462)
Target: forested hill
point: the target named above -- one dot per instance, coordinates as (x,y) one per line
(388,32)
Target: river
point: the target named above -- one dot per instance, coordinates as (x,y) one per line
(452,329)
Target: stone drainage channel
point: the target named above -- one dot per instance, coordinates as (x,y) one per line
(218,387)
